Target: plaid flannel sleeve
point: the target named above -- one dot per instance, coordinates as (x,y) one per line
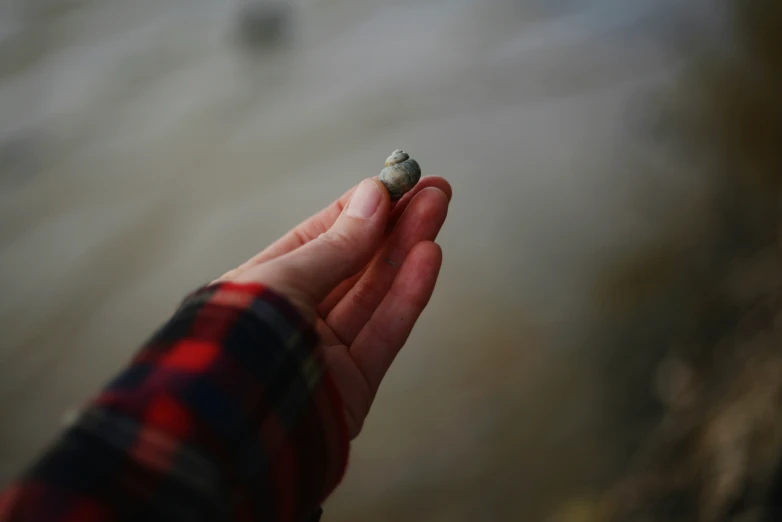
(226,413)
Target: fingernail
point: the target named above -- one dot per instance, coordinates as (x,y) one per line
(365,200)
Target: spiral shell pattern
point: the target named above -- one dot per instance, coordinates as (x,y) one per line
(400,174)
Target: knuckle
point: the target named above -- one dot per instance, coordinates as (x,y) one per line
(366,294)
(358,406)
(382,334)
(359,409)
(338,241)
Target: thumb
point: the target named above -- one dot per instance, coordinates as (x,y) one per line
(310,272)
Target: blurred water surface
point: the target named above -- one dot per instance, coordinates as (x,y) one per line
(144,150)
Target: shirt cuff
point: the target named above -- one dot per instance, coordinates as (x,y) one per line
(235,377)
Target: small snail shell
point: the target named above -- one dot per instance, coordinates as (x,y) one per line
(400,174)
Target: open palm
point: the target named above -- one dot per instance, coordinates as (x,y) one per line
(366,316)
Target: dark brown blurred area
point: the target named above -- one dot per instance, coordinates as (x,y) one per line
(707,295)
(604,340)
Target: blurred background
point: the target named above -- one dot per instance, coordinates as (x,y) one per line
(603,343)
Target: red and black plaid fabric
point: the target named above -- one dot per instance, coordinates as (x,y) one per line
(225,414)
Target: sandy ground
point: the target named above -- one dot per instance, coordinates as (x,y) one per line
(142,154)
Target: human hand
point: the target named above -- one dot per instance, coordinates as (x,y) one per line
(363,268)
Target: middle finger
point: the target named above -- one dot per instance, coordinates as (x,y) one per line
(421,221)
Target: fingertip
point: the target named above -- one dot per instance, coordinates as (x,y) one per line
(424,262)
(424,183)
(438,195)
(344,201)
(443,185)
(438,183)
(432,200)
(432,251)
(429,207)
(384,191)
